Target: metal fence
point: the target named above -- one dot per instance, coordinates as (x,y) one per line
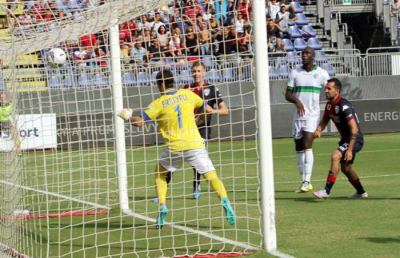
(348,62)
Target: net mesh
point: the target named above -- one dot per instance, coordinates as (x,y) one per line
(59,176)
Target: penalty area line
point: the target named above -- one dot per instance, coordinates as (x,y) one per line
(95,205)
(198,232)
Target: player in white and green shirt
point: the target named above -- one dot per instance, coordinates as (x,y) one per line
(304,89)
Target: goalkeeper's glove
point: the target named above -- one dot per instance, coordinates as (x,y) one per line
(125,113)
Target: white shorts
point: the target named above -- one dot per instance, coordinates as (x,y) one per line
(301,126)
(198,159)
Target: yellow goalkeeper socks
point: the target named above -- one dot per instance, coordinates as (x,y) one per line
(161,184)
(216,184)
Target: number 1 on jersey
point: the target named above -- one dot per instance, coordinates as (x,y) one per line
(179,114)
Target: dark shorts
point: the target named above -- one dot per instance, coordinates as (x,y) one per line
(343,147)
(205,132)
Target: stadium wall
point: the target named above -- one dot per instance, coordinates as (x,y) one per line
(378,109)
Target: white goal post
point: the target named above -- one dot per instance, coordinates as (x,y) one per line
(78,181)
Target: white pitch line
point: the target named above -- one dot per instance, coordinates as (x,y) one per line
(329,153)
(134,214)
(198,232)
(96,205)
(280,254)
(342,178)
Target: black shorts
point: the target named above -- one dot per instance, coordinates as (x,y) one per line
(205,132)
(344,146)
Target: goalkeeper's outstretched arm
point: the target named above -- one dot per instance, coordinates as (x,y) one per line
(126,114)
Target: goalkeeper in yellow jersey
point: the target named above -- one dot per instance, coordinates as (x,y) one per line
(6,110)
(174,111)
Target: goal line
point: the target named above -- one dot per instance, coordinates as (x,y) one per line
(105,209)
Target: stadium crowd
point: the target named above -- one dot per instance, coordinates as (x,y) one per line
(181,31)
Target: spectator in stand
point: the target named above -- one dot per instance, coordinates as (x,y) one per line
(177,20)
(102,60)
(147,24)
(282,19)
(138,52)
(273,8)
(125,55)
(125,34)
(230,19)
(199,20)
(191,43)
(292,13)
(244,7)
(240,23)
(209,10)
(204,38)
(221,9)
(163,37)
(154,52)
(158,22)
(245,47)
(175,43)
(228,44)
(395,9)
(146,37)
(131,27)
(213,24)
(88,40)
(191,11)
(274,37)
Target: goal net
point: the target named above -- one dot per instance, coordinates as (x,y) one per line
(61,182)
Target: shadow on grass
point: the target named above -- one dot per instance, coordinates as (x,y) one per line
(382,240)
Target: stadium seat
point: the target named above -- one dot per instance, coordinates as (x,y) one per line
(307,31)
(246,72)
(100,80)
(273,73)
(207,61)
(128,78)
(284,71)
(329,68)
(213,76)
(153,77)
(292,57)
(291,23)
(229,74)
(54,82)
(142,78)
(320,56)
(297,7)
(299,44)
(185,77)
(83,80)
(288,45)
(294,32)
(301,19)
(314,43)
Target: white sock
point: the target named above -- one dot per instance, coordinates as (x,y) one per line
(308,164)
(300,156)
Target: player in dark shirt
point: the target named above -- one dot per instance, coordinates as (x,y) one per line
(343,115)
(214,100)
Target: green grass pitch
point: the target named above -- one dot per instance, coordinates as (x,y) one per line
(306,227)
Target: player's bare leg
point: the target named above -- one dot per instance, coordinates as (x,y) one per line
(332,175)
(161,175)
